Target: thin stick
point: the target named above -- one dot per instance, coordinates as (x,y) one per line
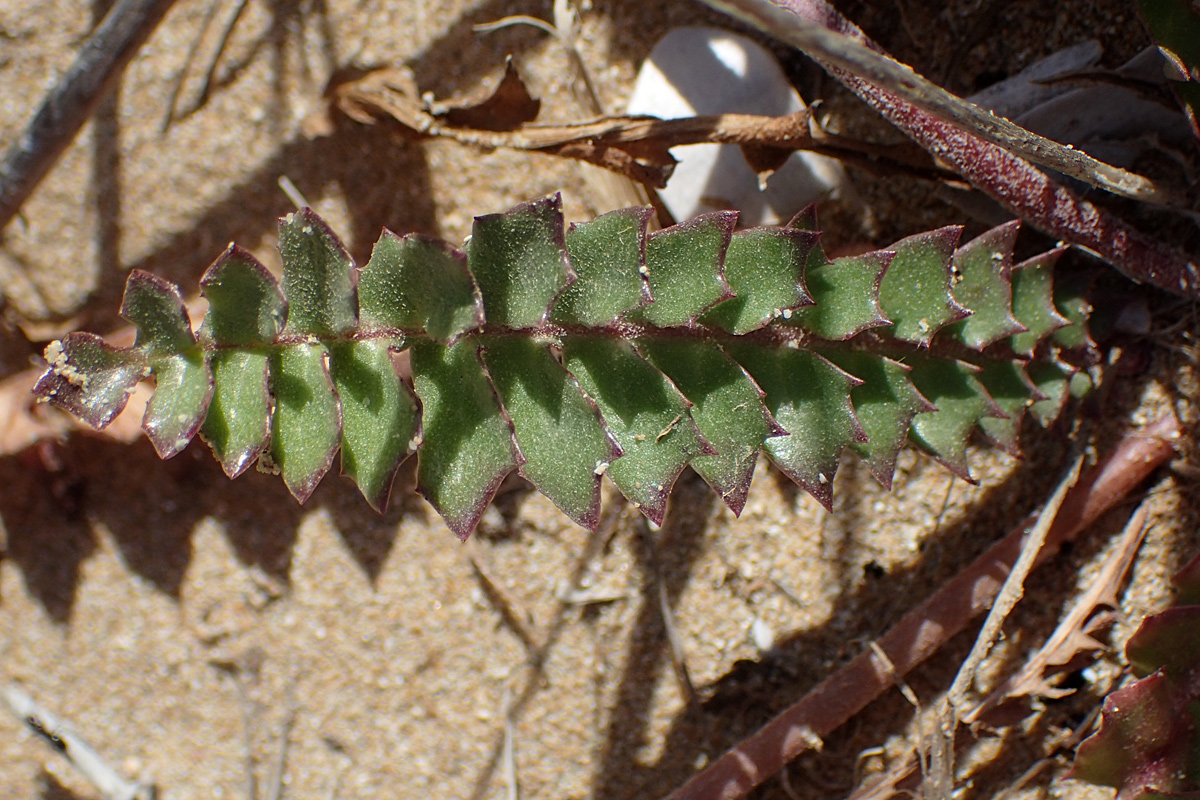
(74,98)
(275,791)
(674,640)
(926,628)
(514,615)
(512,783)
(293,193)
(62,737)
(950,710)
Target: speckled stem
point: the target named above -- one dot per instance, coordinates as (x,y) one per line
(1010,179)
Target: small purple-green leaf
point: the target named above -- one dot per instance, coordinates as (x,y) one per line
(239,417)
(306,427)
(318,277)
(727,407)
(810,398)
(961,401)
(982,282)
(646,415)
(1187,583)
(565,446)
(686,265)
(519,259)
(155,308)
(1070,298)
(1142,742)
(245,306)
(180,403)
(1053,382)
(846,295)
(885,403)
(609,258)
(765,270)
(915,294)
(468,443)
(90,378)
(380,420)
(181,372)
(419,285)
(1169,641)
(1012,390)
(1033,301)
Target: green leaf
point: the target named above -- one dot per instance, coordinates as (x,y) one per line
(239,417)
(419,285)
(155,307)
(885,403)
(245,306)
(646,415)
(1033,301)
(1053,382)
(564,444)
(380,420)
(727,408)
(306,427)
(468,444)
(846,295)
(765,270)
(614,370)
(609,257)
(961,401)
(1070,298)
(686,264)
(810,398)
(519,259)
(184,380)
(915,293)
(180,403)
(1013,392)
(318,277)
(982,282)
(90,378)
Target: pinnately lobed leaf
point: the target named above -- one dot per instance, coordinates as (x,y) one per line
(574,353)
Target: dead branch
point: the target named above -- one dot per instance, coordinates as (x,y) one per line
(634,146)
(74,98)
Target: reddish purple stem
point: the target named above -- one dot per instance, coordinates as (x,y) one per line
(1011,180)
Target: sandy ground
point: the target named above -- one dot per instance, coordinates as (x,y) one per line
(190,626)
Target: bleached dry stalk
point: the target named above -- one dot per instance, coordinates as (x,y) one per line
(63,738)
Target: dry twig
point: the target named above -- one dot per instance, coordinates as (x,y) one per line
(636,147)
(74,98)
(63,738)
